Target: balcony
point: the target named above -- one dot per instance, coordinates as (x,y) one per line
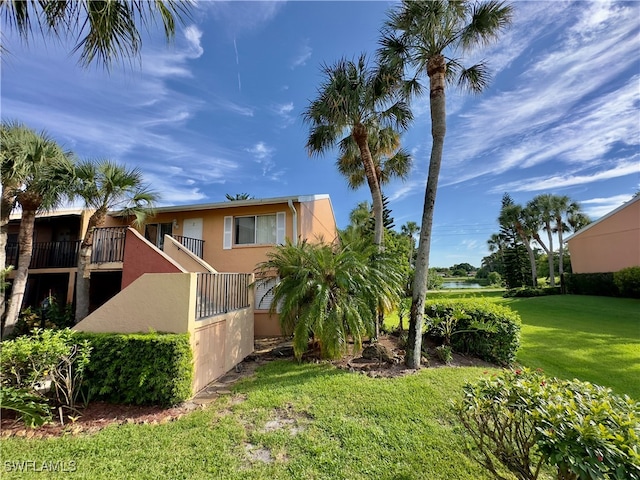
(47,254)
(194,245)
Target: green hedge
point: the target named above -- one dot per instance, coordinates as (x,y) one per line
(627,281)
(143,369)
(488,331)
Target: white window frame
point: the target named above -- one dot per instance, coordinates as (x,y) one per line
(264,293)
(229,238)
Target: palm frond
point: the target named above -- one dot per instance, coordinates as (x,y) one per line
(488,20)
(474,79)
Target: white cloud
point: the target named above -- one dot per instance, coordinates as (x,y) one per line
(598,207)
(304,53)
(193,35)
(261,151)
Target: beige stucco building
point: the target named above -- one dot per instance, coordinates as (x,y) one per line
(609,244)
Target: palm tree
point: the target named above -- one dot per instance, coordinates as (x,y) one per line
(238,196)
(388,158)
(353,103)
(410,229)
(46,176)
(105,186)
(425,36)
(104,30)
(564,208)
(543,206)
(326,292)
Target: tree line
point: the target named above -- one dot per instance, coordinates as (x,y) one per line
(38,175)
(515,249)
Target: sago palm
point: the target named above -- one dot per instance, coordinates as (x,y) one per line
(46,176)
(428,37)
(105,30)
(106,186)
(326,292)
(355,101)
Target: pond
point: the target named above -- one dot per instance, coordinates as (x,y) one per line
(460,285)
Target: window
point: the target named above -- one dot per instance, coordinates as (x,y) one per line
(254,230)
(264,293)
(155,232)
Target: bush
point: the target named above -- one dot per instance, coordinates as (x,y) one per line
(627,281)
(522,420)
(591,284)
(494,279)
(487,330)
(32,409)
(152,368)
(50,315)
(444,353)
(46,362)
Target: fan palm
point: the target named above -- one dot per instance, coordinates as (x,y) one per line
(105,30)
(326,292)
(524,223)
(105,186)
(545,206)
(354,102)
(410,229)
(41,178)
(426,36)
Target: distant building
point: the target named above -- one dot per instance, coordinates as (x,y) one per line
(609,244)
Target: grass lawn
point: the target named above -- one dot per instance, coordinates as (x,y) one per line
(591,338)
(312,420)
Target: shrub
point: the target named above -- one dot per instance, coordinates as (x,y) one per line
(494,279)
(32,409)
(45,359)
(523,420)
(49,315)
(152,368)
(444,353)
(489,331)
(591,284)
(627,281)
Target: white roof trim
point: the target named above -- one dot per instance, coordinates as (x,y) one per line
(604,217)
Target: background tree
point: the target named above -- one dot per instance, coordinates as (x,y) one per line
(410,229)
(105,31)
(46,177)
(354,102)
(520,220)
(425,36)
(105,186)
(542,207)
(238,196)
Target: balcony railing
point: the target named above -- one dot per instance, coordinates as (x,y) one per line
(221,293)
(108,244)
(195,245)
(47,254)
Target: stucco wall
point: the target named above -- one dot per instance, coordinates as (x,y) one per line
(141,257)
(163,302)
(265,324)
(610,245)
(317,220)
(186,259)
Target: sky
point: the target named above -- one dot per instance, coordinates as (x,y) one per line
(219,110)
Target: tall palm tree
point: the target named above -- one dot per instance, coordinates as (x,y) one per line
(105,30)
(105,186)
(410,229)
(238,196)
(425,36)
(567,215)
(543,206)
(354,102)
(388,158)
(46,179)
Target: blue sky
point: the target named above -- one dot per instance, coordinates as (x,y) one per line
(219,111)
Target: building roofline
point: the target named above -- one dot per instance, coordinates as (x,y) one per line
(17,215)
(604,217)
(237,203)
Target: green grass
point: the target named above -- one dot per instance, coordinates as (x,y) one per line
(596,339)
(350,427)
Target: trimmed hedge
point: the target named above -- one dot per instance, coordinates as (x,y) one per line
(143,369)
(628,282)
(489,331)
(591,284)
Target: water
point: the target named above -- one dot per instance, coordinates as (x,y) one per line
(460,285)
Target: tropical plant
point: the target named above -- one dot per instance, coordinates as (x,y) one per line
(105,185)
(238,196)
(329,293)
(410,229)
(41,181)
(104,30)
(425,37)
(524,224)
(355,103)
(543,207)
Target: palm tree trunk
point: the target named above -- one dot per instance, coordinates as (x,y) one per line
(25,250)
(436,70)
(6,205)
(83,277)
(361,137)
(552,273)
(560,247)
